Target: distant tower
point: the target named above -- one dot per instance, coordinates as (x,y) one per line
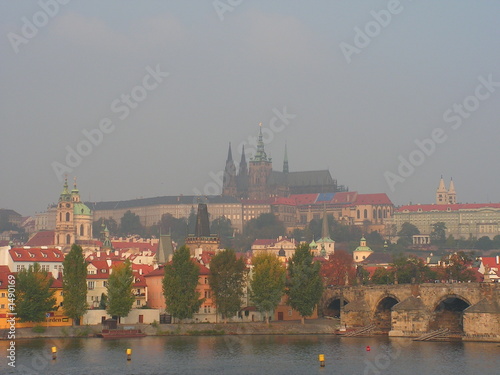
(325,244)
(259,170)
(285,162)
(452,195)
(242,178)
(441,193)
(229,178)
(202,239)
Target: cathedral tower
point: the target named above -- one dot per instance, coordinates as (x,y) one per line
(259,171)
(229,187)
(242,178)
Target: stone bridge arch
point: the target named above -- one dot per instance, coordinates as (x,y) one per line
(381,316)
(448,312)
(333,306)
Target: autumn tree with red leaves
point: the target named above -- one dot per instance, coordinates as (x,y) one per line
(338,269)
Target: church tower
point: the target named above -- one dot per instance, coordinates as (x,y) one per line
(65,230)
(229,178)
(441,193)
(242,178)
(73,220)
(452,195)
(259,171)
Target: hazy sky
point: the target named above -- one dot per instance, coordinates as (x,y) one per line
(353,86)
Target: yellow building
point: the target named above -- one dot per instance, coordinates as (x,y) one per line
(54,318)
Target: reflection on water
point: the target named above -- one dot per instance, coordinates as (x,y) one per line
(251,355)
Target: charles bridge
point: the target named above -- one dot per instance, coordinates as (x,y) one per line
(468,310)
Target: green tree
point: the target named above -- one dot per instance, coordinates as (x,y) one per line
(120,297)
(268,282)
(222,226)
(304,286)
(484,243)
(411,270)
(264,226)
(457,266)
(177,228)
(103,303)
(406,234)
(34,298)
(438,233)
(179,285)
(382,276)
(75,284)
(130,223)
(226,279)
(110,223)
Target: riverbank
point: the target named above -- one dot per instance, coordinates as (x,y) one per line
(311,327)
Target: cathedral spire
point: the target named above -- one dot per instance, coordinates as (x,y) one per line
(229,178)
(285,161)
(260,155)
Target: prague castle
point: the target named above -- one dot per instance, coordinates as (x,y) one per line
(256,179)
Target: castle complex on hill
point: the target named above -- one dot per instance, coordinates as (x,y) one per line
(256,179)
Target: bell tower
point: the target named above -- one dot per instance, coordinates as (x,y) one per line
(65,230)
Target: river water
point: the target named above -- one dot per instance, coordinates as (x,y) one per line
(251,355)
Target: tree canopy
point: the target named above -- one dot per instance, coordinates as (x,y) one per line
(338,269)
(304,285)
(34,298)
(120,297)
(411,270)
(75,283)
(179,285)
(130,223)
(268,282)
(226,279)
(438,233)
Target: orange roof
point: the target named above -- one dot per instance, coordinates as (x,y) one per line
(378,198)
(304,198)
(42,238)
(36,254)
(345,197)
(284,201)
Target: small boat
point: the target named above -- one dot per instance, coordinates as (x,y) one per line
(120,333)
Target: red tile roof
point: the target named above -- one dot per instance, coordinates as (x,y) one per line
(157,272)
(301,199)
(284,201)
(378,198)
(345,197)
(446,207)
(42,238)
(36,254)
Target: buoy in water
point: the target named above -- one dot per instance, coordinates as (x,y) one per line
(54,352)
(321,359)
